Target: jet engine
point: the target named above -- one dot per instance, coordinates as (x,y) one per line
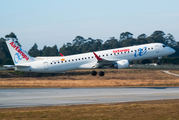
(121,64)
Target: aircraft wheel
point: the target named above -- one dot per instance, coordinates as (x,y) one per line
(93,73)
(101,73)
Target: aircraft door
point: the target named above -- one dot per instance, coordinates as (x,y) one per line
(46,65)
(157,48)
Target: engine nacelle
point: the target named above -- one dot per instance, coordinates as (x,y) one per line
(121,64)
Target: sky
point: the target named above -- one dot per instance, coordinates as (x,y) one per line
(50,22)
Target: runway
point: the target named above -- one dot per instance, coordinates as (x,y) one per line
(71,96)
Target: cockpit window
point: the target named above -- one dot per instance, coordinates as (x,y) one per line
(164,45)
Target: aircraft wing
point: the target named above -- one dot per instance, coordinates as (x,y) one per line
(102,62)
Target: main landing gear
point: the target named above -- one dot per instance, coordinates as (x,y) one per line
(94,73)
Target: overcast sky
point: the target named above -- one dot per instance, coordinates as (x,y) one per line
(50,22)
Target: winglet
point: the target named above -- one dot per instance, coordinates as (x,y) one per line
(97,57)
(61,54)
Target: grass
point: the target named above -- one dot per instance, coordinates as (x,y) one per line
(82,78)
(148,110)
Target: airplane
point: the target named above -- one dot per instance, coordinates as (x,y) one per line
(117,58)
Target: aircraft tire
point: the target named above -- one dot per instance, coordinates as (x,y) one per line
(101,73)
(93,73)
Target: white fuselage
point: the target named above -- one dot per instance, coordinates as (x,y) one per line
(88,60)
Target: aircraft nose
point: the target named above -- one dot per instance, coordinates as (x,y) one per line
(172,50)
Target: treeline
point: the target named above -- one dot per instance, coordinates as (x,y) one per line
(82,45)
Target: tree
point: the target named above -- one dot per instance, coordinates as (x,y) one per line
(13,37)
(158,33)
(142,36)
(141,39)
(109,44)
(78,41)
(34,51)
(128,42)
(4,52)
(125,36)
(158,36)
(54,51)
(170,40)
(50,51)
(64,50)
(97,45)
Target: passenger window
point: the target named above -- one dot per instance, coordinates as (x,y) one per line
(111,54)
(152,48)
(61,61)
(114,53)
(79,59)
(51,63)
(118,53)
(54,62)
(88,57)
(65,61)
(82,58)
(76,59)
(85,57)
(148,48)
(68,60)
(72,60)
(131,50)
(92,57)
(103,55)
(106,54)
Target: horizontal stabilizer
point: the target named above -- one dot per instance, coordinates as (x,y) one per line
(22,66)
(8,66)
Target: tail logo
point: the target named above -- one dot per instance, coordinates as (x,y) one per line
(140,51)
(20,54)
(17,57)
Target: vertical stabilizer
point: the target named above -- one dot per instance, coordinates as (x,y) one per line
(18,55)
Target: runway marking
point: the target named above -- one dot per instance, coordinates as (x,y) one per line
(75,98)
(166,71)
(121,96)
(166,94)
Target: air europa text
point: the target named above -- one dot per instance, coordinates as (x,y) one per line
(17,48)
(123,50)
